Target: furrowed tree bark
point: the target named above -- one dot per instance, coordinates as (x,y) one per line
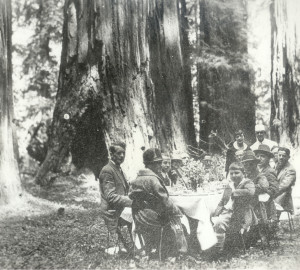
(10,185)
(121,78)
(285,74)
(226,102)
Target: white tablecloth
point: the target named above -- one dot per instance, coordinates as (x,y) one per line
(200,207)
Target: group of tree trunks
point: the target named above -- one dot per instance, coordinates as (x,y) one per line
(124,76)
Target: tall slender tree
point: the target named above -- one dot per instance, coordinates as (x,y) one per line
(10,185)
(121,78)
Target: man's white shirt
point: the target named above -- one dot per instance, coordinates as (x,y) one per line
(267,142)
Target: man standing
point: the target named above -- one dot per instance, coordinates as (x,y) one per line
(286,175)
(260,133)
(114,191)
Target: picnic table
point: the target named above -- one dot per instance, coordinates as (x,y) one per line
(199,206)
(196,205)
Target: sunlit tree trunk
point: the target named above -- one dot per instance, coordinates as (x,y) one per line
(10,185)
(285,74)
(121,78)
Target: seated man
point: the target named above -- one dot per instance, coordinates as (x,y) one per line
(114,189)
(260,181)
(164,171)
(239,155)
(286,175)
(234,212)
(176,173)
(152,209)
(264,155)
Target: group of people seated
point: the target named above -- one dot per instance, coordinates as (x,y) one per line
(261,187)
(253,190)
(148,198)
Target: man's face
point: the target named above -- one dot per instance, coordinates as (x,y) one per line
(239,138)
(263,159)
(260,135)
(119,155)
(250,166)
(185,160)
(236,176)
(275,153)
(207,163)
(239,156)
(176,164)
(166,165)
(282,158)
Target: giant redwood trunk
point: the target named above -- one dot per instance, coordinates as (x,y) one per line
(10,185)
(285,74)
(226,102)
(121,78)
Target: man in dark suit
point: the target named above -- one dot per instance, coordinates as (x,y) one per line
(286,176)
(152,208)
(114,191)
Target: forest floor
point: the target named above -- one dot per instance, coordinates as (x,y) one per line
(60,228)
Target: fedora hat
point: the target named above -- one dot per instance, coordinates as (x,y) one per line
(249,156)
(265,149)
(152,155)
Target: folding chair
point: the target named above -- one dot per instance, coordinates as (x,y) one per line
(148,249)
(281,210)
(124,233)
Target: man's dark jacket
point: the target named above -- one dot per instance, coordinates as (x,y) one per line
(114,194)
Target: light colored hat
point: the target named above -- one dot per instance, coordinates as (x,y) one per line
(260,127)
(207,158)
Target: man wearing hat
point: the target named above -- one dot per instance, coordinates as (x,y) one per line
(260,133)
(260,181)
(264,154)
(286,175)
(152,207)
(261,184)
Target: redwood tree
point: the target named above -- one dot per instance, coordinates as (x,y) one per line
(285,83)
(122,77)
(10,185)
(223,74)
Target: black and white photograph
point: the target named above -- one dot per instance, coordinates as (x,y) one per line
(150,134)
